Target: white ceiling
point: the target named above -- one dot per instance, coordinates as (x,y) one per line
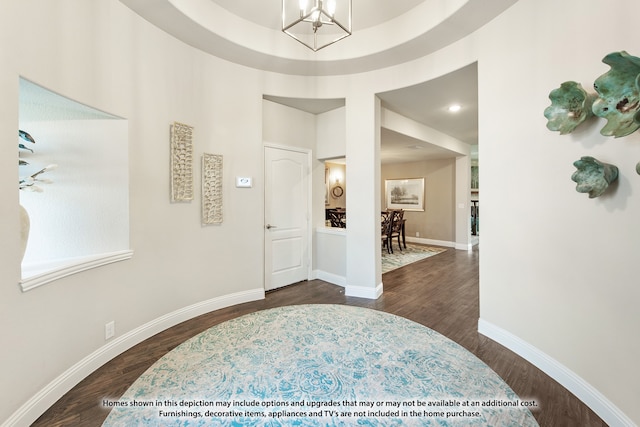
(385,32)
(368,13)
(313,106)
(428,103)
(248,32)
(398,148)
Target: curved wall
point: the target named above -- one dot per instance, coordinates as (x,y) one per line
(103,55)
(557,268)
(549,275)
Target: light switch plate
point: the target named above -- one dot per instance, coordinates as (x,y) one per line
(244,182)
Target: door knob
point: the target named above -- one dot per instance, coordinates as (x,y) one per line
(269,226)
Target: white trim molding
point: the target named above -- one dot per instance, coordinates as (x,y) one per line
(330,277)
(463,246)
(363,291)
(423,241)
(446,244)
(42,274)
(584,391)
(45,398)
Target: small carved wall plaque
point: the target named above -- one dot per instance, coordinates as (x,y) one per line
(181,162)
(211,188)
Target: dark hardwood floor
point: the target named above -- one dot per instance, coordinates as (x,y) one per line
(440,292)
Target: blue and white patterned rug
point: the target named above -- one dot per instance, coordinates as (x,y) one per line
(319,365)
(408,255)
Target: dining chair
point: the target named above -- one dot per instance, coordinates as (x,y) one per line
(385,229)
(337,218)
(395,229)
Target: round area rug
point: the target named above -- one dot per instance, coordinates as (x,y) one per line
(319,365)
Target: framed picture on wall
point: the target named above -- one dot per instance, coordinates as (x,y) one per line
(407,194)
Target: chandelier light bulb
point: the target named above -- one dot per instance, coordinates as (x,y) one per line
(316,23)
(331,7)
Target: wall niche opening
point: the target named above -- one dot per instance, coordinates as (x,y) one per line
(79,220)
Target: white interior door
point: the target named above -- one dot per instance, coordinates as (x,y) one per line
(287,213)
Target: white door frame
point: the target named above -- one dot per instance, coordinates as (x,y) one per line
(308,152)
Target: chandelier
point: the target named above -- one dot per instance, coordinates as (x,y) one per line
(316,23)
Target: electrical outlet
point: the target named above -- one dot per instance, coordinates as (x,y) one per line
(109,330)
(417,234)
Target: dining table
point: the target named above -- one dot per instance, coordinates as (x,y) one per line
(337,218)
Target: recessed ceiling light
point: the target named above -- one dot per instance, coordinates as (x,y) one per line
(415,147)
(454,108)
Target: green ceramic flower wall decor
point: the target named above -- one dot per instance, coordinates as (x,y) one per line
(593,176)
(570,106)
(638,168)
(619,98)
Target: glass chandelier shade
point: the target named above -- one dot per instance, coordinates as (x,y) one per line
(316,23)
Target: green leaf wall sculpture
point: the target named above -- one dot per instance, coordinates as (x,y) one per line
(617,101)
(593,176)
(618,95)
(570,106)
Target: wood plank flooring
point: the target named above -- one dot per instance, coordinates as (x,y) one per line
(440,292)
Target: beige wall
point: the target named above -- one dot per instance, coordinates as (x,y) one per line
(103,55)
(558,271)
(437,222)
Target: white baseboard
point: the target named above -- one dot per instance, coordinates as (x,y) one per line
(350,291)
(363,291)
(447,244)
(584,391)
(464,246)
(330,277)
(45,398)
